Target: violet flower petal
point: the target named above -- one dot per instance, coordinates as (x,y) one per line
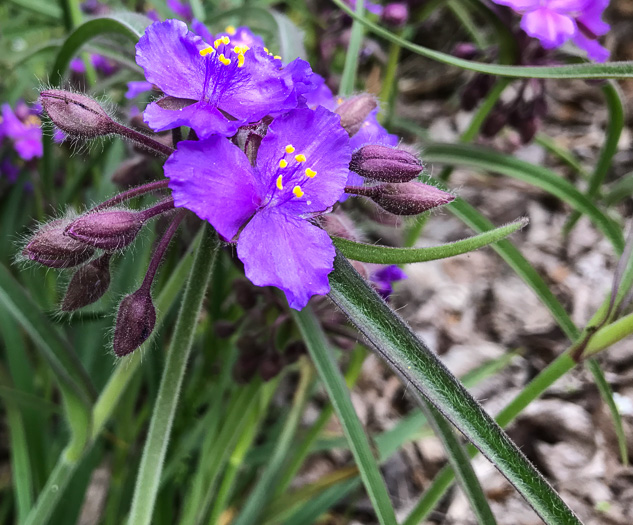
(136,87)
(285,251)
(204,118)
(316,135)
(214,179)
(169,54)
(551,28)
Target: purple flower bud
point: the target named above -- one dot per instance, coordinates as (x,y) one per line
(395,14)
(385,164)
(354,111)
(528,128)
(224,328)
(76,114)
(475,90)
(409,198)
(50,247)
(494,123)
(466,50)
(271,364)
(132,172)
(88,284)
(294,351)
(340,225)
(135,322)
(108,230)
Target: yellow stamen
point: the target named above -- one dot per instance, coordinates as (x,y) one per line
(277,57)
(206,51)
(339,101)
(298,192)
(225,40)
(266,49)
(240,60)
(230,30)
(224,60)
(217,42)
(300,158)
(33,120)
(283,163)
(290,148)
(310,173)
(279,185)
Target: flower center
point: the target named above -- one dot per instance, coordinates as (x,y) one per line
(291,173)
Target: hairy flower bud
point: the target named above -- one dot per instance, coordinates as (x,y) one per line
(354,111)
(385,164)
(494,123)
(271,364)
(107,230)
(50,247)
(395,14)
(76,114)
(409,198)
(135,322)
(88,284)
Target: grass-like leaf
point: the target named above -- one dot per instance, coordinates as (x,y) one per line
(422,370)
(494,162)
(339,396)
(584,70)
(371,253)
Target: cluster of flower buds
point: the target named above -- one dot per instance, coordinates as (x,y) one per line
(401,194)
(90,240)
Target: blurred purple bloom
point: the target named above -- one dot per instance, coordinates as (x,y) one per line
(77,66)
(554,22)
(25,133)
(136,87)
(300,172)
(100,63)
(180,9)
(372,7)
(215,81)
(9,171)
(382,279)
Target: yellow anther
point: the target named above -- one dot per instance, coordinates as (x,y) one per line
(310,173)
(300,158)
(206,51)
(266,49)
(279,185)
(217,42)
(339,101)
(290,148)
(224,60)
(225,40)
(33,120)
(230,30)
(240,60)
(277,57)
(283,163)
(298,192)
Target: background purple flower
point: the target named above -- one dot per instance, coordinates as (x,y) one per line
(216,79)
(25,133)
(383,278)
(301,169)
(554,22)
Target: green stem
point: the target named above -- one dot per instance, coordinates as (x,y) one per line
(149,474)
(353,51)
(609,335)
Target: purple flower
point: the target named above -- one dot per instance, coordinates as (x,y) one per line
(224,86)
(180,9)
(554,22)
(9,171)
(25,133)
(136,87)
(300,172)
(382,279)
(372,7)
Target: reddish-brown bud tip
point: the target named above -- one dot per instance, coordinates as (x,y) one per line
(411,198)
(76,114)
(108,230)
(355,110)
(88,284)
(50,247)
(134,322)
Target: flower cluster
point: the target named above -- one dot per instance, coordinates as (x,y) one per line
(270,151)
(555,22)
(20,131)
